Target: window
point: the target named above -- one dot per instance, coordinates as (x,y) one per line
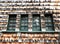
(12,22)
(49,22)
(36,23)
(24,23)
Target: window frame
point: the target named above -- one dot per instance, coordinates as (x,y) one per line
(38,22)
(52,24)
(24,23)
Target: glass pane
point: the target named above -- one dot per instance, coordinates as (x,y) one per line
(49,29)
